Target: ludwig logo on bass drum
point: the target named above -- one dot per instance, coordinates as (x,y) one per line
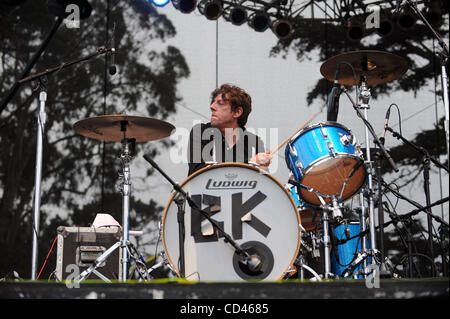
(218,184)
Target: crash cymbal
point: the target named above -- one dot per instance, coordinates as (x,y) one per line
(116,127)
(377,67)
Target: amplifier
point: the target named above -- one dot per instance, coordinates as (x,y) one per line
(79,247)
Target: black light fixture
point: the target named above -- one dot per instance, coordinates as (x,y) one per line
(236,15)
(259,21)
(282,28)
(185,6)
(355,29)
(211,9)
(406,18)
(386,26)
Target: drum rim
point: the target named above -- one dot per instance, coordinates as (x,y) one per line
(226,164)
(318,124)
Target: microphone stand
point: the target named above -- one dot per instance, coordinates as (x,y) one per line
(180,201)
(242,253)
(383,270)
(426,159)
(41,120)
(32,63)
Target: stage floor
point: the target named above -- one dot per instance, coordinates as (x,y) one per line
(435,288)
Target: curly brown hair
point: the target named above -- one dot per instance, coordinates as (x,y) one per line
(237,97)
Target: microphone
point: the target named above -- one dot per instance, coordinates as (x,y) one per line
(112,66)
(333,100)
(253,262)
(359,259)
(388,113)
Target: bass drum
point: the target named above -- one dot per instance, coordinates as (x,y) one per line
(252,207)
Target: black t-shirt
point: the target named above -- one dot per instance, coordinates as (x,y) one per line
(207,144)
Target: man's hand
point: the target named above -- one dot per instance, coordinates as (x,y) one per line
(262,159)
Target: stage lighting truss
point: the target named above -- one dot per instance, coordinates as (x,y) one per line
(283,16)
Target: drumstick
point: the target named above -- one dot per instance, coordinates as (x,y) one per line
(289,138)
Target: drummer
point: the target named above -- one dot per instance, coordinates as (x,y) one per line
(224,138)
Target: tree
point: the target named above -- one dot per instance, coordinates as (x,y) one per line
(78,173)
(325,39)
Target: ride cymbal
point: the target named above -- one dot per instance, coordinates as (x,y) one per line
(117,127)
(377,67)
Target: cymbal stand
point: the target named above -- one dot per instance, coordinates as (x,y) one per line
(127,248)
(362,227)
(364,105)
(125,189)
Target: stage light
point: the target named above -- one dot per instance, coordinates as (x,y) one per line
(236,15)
(211,9)
(259,21)
(282,28)
(355,29)
(386,27)
(406,18)
(185,6)
(160,3)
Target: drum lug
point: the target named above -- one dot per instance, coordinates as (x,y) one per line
(358,151)
(331,149)
(324,133)
(292,150)
(299,165)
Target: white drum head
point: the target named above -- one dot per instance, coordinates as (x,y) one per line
(250,206)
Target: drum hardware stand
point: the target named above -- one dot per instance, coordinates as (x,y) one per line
(124,244)
(253,261)
(426,159)
(362,227)
(365,96)
(383,270)
(326,239)
(163,262)
(300,262)
(41,120)
(181,202)
(408,243)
